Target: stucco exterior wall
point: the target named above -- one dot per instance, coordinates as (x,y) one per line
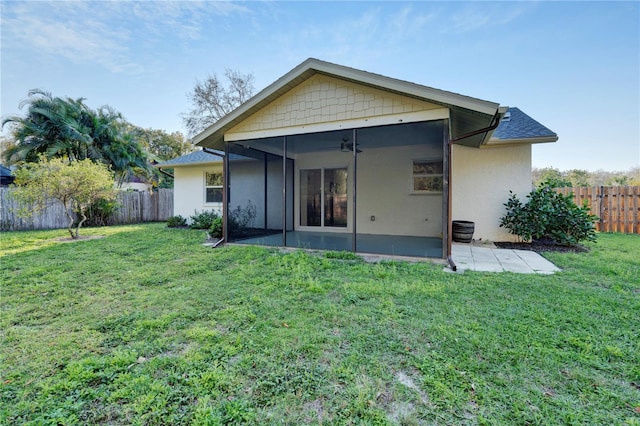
(188,190)
(323,99)
(384,190)
(480,183)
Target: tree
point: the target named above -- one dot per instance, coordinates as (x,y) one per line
(211,101)
(578,177)
(162,146)
(551,176)
(54,127)
(74,184)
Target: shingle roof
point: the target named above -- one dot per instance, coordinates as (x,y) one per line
(196,157)
(4,171)
(521,126)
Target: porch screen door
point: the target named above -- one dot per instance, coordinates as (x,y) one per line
(323,197)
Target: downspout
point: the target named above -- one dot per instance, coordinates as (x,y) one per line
(165,173)
(495,122)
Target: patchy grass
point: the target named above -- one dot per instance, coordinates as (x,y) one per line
(146,326)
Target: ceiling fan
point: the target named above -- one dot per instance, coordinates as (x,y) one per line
(346,146)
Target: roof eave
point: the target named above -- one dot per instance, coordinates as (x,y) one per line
(520,141)
(213,136)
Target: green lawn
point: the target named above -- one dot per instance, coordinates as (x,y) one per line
(147,326)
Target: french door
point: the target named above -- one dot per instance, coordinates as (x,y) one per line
(323,197)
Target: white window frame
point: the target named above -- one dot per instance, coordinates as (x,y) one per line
(210,203)
(426,174)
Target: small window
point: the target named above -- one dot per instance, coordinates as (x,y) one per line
(426,177)
(212,187)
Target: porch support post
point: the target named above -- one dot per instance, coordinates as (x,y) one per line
(284,191)
(446,191)
(266,206)
(225,193)
(354,235)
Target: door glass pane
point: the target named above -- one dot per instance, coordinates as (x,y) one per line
(335,197)
(310,198)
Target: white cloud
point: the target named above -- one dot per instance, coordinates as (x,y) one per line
(105,33)
(481,15)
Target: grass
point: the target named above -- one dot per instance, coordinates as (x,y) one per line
(146,326)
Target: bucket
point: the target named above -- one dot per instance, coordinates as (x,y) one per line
(462,231)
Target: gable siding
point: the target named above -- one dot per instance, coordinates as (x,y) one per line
(323,99)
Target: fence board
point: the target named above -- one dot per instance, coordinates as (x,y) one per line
(618,207)
(135,207)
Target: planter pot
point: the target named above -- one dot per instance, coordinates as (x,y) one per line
(462,231)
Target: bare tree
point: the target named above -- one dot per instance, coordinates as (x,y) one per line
(211,101)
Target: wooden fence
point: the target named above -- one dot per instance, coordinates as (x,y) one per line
(134,207)
(618,207)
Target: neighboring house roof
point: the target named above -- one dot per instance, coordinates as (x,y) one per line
(518,127)
(193,158)
(6,177)
(467,114)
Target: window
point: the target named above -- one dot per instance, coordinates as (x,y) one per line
(426,177)
(212,187)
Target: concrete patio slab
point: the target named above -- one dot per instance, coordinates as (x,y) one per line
(490,259)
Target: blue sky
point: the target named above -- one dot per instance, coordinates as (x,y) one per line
(573,66)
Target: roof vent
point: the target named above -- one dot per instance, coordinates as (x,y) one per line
(506,116)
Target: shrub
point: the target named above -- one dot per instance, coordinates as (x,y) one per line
(203,220)
(548,215)
(99,212)
(242,217)
(176,221)
(216,228)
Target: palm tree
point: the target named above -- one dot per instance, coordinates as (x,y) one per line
(54,127)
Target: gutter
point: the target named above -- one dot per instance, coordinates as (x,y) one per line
(495,122)
(209,151)
(166,173)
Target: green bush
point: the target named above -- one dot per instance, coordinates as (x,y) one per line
(176,221)
(99,212)
(203,220)
(216,228)
(548,215)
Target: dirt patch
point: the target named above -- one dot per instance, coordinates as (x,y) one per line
(541,246)
(80,238)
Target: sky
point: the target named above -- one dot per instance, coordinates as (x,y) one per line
(573,66)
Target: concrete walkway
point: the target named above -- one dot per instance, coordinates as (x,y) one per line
(488,259)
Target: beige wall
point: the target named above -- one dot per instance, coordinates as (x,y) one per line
(384,191)
(188,193)
(323,99)
(480,182)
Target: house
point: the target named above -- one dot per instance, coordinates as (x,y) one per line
(197,184)
(331,157)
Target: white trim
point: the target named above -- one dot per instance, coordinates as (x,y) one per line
(502,142)
(408,117)
(312,66)
(412,190)
(205,187)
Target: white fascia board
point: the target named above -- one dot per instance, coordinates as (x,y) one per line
(408,117)
(502,142)
(264,94)
(407,88)
(312,65)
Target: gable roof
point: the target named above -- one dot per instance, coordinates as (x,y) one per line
(516,126)
(467,114)
(193,158)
